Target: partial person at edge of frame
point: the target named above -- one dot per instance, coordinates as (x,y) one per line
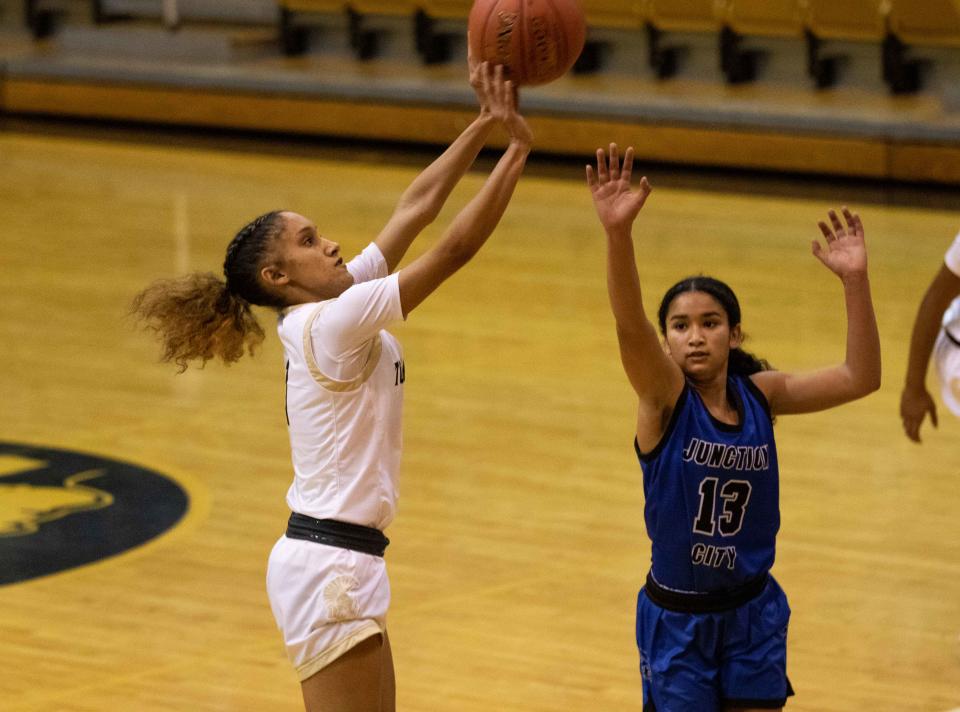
(711,620)
(936,330)
(326,577)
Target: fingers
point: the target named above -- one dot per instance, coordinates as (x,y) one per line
(827,232)
(837,225)
(626,172)
(912,429)
(614,162)
(602,174)
(817,250)
(854,225)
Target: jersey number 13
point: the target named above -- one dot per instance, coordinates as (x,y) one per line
(732,505)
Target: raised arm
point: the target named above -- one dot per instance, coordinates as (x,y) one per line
(916,401)
(656,379)
(422,201)
(845,255)
(475,223)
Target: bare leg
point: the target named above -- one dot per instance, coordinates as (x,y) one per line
(354,682)
(388,683)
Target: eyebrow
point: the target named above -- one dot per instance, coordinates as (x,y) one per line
(703,315)
(306,228)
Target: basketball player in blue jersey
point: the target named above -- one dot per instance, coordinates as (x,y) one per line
(711,620)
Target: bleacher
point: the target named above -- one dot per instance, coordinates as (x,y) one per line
(858,87)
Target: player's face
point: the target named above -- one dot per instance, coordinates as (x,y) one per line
(699,336)
(308,261)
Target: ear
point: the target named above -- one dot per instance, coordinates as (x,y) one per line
(273,276)
(666,345)
(736,337)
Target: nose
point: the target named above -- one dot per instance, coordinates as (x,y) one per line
(330,247)
(696,335)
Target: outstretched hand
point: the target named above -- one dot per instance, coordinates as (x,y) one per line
(845,253)
(616,202)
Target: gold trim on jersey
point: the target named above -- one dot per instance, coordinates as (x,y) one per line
(332,384)
(367,629)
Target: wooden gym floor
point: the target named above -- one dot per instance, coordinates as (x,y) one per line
(519,546)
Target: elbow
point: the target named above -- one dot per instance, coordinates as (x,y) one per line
(867,384)
(456,254)
(420,214)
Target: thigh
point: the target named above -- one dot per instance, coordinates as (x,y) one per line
(351,683)
(388,683)
(678,659)
(754,670)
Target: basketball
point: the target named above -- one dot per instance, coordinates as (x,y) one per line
(537,41)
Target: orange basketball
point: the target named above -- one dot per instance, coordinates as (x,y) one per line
(537,41)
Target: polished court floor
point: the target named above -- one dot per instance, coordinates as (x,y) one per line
(519,547)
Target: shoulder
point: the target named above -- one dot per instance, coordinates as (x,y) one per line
(760,387)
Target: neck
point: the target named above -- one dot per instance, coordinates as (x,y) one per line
(713,393)
(297,294)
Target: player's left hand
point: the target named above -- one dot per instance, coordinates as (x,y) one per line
(845,253)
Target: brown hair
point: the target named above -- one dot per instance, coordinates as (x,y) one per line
(200,316)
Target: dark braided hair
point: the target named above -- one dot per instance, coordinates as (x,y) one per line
(241,266)
(741,362)
(200,316)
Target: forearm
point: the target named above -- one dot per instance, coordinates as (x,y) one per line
(623,281)
(466,234)
(937,298)
(863,338)
(430,190)
(476,222)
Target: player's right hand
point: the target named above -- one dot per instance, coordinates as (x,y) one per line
(915,403)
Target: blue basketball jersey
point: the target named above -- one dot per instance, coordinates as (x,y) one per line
(712,493)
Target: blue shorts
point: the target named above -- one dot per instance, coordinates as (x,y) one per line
(706,661)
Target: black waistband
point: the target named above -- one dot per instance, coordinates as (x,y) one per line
(331,532)
(710,602)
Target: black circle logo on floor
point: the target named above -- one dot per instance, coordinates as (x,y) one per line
(61,509)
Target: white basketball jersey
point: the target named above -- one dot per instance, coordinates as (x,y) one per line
(946,352)
(345,398)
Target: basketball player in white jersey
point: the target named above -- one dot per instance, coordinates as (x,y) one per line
(936,330)
(326,577)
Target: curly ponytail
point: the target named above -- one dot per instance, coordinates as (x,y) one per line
(741,362)
(200,316)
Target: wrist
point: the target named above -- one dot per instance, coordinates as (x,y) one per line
(915,383)
(855,280)
(619,232)
(523,144)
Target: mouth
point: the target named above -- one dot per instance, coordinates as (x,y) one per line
(339,262)
(697,355)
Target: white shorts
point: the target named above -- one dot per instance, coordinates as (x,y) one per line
(946,356)
(325,599)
